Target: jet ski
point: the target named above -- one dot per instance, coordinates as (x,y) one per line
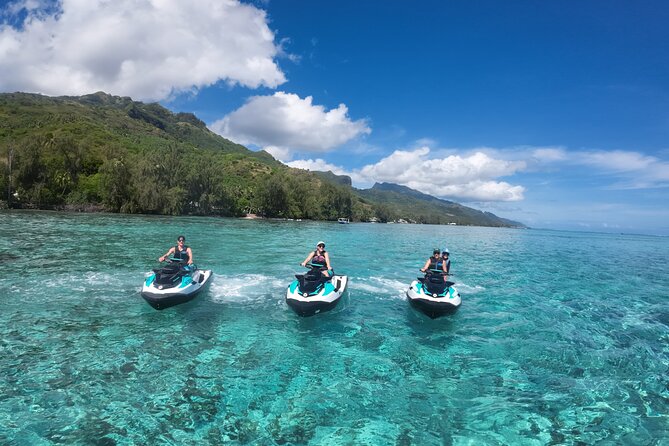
(313,293)
(434,296)
(173,284)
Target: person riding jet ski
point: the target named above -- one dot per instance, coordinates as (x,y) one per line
(446,263)
(177,282)
(435,262)
(434,294)
(180,252)
(320,289)
(320,258)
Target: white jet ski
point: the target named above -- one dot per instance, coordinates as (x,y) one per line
(313,293)
(434,296)
(174,284)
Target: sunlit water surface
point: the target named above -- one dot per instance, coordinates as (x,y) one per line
(562,337)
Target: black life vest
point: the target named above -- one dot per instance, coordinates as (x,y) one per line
(435,263)
(181,254)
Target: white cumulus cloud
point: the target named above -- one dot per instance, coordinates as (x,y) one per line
(147,49)
(285,123)
(414,166)
(468,178)
(475,191)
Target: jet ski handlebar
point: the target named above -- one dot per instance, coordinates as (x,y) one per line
(434,271)
(313,266)
(173,260)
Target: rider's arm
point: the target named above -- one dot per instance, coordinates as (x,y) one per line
(160,259)
(309,257)
(327,260)
(190,256)
(427,264)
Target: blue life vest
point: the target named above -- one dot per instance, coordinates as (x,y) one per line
(448,265)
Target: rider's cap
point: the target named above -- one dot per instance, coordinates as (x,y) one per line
(181,238)
(445,251)
(435,251)
(320,243)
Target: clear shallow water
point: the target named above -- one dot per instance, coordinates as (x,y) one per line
(562,337)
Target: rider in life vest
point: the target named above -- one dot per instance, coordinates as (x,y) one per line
(436,263)
(446,263)
(320,258)
(179,252)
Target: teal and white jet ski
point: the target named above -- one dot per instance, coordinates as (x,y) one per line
(173,284)
(434,296)
(313,293)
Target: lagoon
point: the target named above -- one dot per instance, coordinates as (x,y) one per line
(562,337)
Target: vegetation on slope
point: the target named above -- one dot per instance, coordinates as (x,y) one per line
(111,153)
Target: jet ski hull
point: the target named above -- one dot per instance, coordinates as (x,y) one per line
(160,297)
(433,305)
(326,299)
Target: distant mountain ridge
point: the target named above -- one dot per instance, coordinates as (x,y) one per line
(392,187)
(397,202)
(428,207)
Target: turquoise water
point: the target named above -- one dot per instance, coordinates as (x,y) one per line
(562,337)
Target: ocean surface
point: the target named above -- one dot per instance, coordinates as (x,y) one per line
(562,337)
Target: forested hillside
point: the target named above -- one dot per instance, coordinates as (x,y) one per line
(423,208)
(103,152)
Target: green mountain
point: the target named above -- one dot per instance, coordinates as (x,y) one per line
(108,152)
(104,152)
(102,120)
(420,207)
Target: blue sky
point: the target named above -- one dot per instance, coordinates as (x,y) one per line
(553,113)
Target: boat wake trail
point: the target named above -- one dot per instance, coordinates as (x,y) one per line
(379,287)
(245,288)
(469,289)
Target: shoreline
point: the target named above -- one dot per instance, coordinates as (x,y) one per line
(99,209)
